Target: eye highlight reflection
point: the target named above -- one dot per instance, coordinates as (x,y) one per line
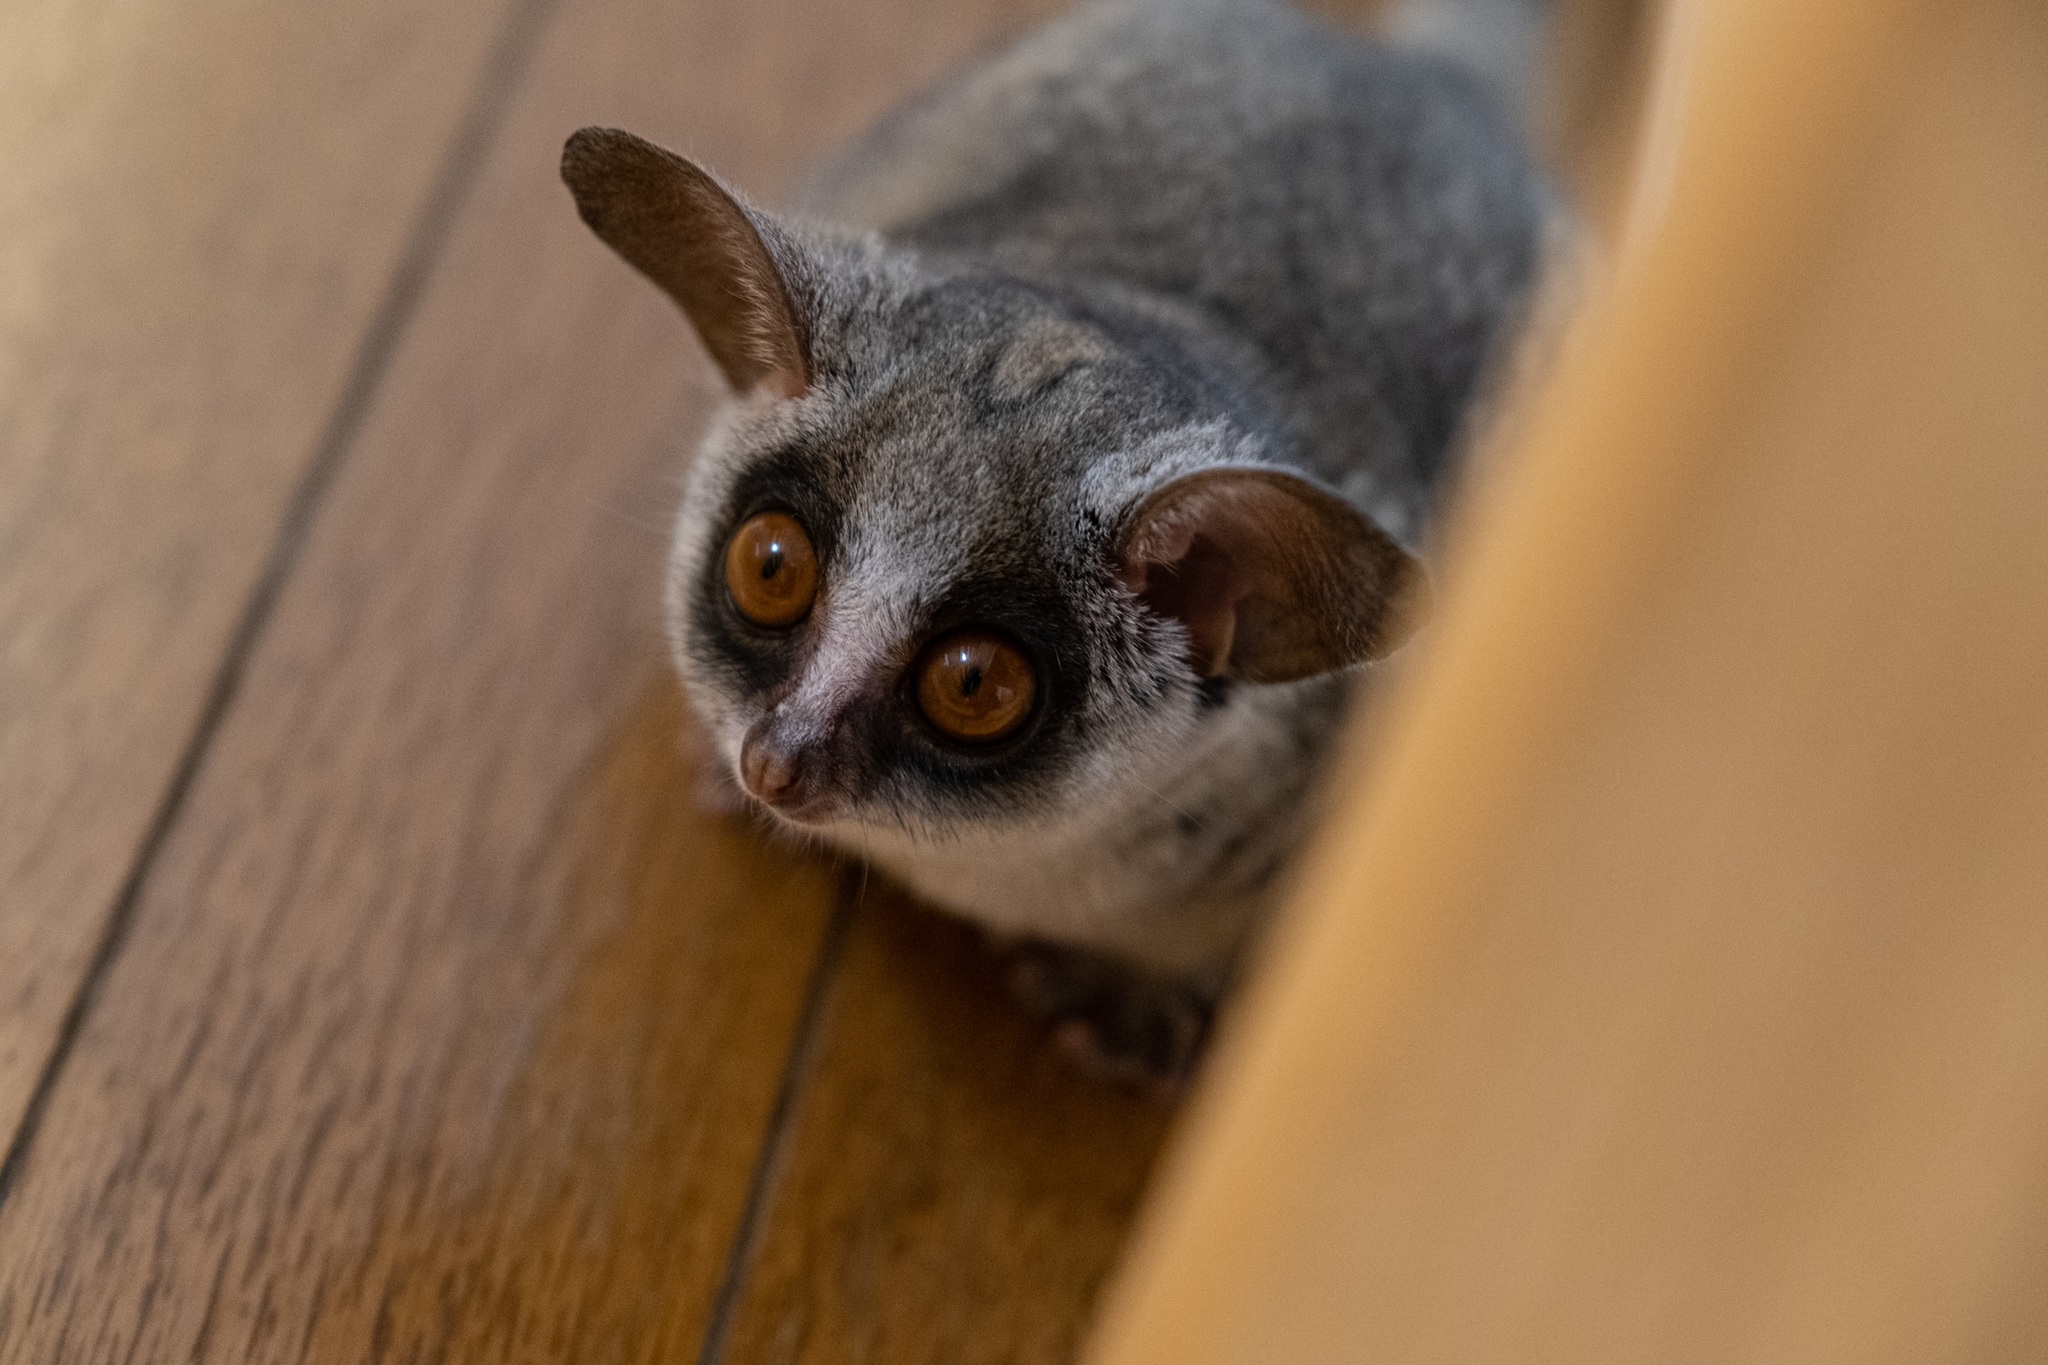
(771,571)
(974,686)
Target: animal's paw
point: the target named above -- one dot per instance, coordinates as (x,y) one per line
(1119,1023)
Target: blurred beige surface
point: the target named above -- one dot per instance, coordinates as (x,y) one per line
(1678,987)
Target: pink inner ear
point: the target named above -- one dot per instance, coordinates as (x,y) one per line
(1188,578)
(1272,577)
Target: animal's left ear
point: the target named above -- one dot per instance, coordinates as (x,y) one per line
(689,234)
(1273,578)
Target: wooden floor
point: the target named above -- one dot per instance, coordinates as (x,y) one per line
(371,988)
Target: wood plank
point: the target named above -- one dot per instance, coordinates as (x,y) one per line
(952,1189)
(445,1029)
(203,206)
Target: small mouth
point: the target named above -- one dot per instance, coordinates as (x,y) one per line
(816,810)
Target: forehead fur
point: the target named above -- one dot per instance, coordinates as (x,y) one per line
(974,413)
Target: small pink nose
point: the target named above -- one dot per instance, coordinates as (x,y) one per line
(771,773)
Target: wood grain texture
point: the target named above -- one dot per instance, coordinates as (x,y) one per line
(203,205)
(383,1010)
(445,1027)
(951,1190)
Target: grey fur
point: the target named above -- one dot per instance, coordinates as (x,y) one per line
(1500,41)
(1151,239)
(1363,216)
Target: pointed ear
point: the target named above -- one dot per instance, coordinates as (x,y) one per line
(683,230)
(1273,578)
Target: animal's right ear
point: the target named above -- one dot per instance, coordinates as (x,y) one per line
(687,233)
(1272,577)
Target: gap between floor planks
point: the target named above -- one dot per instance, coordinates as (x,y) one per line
(470,143)
(803,1051)
(374,354)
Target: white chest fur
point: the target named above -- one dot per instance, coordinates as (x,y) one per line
(1171,870)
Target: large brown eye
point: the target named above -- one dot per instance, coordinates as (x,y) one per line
(771,570)
(975,686)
